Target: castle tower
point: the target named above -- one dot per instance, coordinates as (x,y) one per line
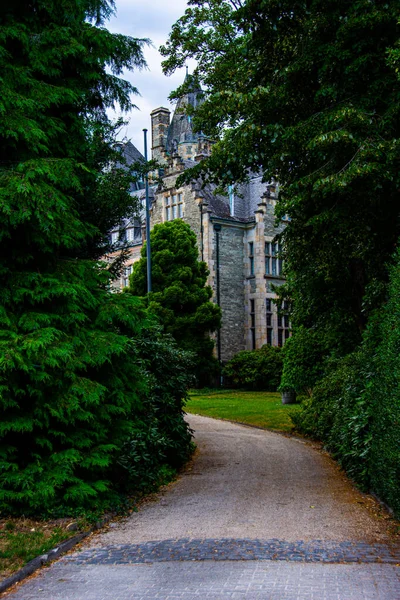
(160,119)
(181,138)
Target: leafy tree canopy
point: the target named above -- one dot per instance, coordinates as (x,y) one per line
(308,92)
(180,296)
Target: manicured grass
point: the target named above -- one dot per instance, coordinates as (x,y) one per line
(263,409)
(21,540)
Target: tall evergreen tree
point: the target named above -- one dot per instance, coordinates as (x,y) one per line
(180,297)
(69,378)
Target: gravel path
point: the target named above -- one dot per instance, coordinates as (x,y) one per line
(250,483)
(255,516)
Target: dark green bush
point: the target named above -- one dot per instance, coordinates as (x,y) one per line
(355,407)
(303,361)
(76,382)
(337,413)
(382,392)
(255,369)
(160,440)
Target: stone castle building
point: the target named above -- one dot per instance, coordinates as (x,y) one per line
(235,233)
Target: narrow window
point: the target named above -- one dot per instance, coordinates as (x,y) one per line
(267,258)
(269,321)
(167,201)
(283,323)
(280,261)
(127,272)
(130,234)
(114,237)
(251,257)
(253,324)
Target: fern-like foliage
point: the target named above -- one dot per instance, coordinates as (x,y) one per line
(72,381)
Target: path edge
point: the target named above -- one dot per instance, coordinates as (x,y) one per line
(44,559)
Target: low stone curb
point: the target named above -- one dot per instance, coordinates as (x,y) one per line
(38,562)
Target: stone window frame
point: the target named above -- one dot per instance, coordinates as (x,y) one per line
(173,206)
(283,324)
(273,264)
(127,271)
(269,321)
(253,323)
(251,258)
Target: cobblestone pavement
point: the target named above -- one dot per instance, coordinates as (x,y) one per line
(204,580)
(233,549)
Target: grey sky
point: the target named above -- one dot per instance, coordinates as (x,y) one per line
(148,19)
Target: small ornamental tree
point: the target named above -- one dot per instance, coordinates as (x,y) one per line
(180,297)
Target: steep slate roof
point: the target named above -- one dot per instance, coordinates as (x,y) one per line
(218,205)
(180,129)
(132,154)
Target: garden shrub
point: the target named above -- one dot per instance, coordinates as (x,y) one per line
(255,369)
(383,395)
(303,361)
(355,407)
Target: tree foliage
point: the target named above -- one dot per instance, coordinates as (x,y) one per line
(180,297)
(305,92)
(309,93)
(71,375)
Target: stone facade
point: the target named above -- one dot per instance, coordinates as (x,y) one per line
(235,234)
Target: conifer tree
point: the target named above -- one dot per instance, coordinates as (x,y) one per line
(180,297)
(69,374)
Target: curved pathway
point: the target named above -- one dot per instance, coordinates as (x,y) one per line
(255,515)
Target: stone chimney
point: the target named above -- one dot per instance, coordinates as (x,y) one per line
(160,119)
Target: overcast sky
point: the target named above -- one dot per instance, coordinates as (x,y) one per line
(148,19)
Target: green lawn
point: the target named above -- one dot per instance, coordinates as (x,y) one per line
(263,409)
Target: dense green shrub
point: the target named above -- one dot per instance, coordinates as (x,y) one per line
(337,413)
(303,361)
(355,407)
(160,437)
(255,369)
(383,396)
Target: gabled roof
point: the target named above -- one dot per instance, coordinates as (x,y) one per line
(131,153)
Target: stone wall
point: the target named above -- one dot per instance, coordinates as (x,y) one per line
(231,286)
